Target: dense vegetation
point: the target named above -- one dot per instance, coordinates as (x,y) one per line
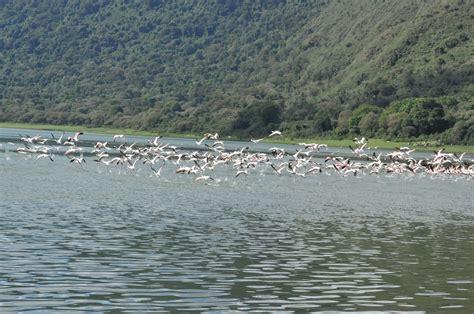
(393,69)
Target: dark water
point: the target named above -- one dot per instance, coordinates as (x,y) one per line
(102,239)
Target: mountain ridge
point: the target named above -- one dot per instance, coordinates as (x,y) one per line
(240,67)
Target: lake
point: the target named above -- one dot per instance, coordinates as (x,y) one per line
(98,238)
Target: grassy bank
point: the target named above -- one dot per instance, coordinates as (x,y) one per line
(378,143)
(71,128)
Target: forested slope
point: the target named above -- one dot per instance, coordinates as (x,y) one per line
(309,67)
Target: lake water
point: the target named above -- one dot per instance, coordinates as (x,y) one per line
(96,238)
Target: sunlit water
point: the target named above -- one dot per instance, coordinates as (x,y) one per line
(100,239)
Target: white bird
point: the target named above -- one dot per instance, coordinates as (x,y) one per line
(278,170)
(155,141)
(313,146)
(241,172)
(72,151)
(405,149)
(27,139)
(24,150)
(200,141)
(300,153)
(71,140)
(157,172)
(78,160)
(118,136)
(132,166)
(59,140)
(313,169)
(40,140)
(359,150)
(185,170)
(208,136)
(44,156)
(100,145)
(101,155)
(75,138)
(211,136)
(360,141)
(204,178)
(273,133)
(116,160)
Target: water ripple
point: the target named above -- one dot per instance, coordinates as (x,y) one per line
(123,242)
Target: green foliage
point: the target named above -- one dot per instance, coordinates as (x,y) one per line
(416,116)
(258,119)
(240,67)
(343,122)
(369,124)
(361,112)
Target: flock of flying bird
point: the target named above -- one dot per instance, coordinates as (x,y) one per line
(202,163)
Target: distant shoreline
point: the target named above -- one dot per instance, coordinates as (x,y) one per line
(379,143)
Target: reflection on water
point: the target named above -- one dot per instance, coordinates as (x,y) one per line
(90,239)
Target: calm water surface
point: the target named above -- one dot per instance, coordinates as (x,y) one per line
(101,239)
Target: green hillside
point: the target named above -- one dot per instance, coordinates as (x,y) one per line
(393,69)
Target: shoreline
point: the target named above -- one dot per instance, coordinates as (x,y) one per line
(373,142)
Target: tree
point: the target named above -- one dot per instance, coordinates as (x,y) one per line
(359,113)
(414,117)
(343,122)
(369,124)
(259,118)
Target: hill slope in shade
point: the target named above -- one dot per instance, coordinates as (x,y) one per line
(239,67)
